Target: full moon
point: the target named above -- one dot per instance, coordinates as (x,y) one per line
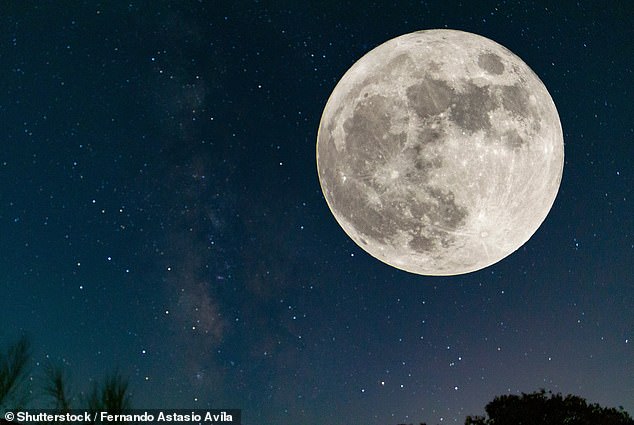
(440,152)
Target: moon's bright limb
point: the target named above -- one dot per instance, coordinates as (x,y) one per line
(440,152)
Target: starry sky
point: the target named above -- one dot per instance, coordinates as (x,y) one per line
(161,214)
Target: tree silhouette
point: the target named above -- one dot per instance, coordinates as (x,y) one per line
(57,389)
(112,395)
(542,408)
(14,370)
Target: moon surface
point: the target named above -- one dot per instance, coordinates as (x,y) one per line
(440,152)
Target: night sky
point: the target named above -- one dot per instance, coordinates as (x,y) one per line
(161,214)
